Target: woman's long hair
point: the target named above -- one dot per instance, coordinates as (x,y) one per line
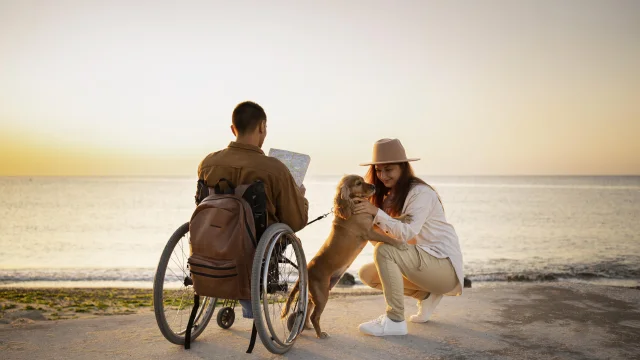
(403,185)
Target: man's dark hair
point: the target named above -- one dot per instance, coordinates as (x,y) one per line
(247,117)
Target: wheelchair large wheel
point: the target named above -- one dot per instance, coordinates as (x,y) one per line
(278,263)
(173,291)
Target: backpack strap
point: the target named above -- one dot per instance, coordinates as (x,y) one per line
(252,341)
(241,190)
(192,317)
(231,189)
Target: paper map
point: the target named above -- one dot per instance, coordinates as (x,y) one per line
(296,162)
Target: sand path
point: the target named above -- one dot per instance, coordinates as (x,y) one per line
(515,321)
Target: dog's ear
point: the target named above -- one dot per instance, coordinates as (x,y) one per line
(343,208)
(345,192)
(342,202)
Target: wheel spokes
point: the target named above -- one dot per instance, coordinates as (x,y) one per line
(178,291)
(282,271)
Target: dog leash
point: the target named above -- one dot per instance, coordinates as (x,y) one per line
(320,217)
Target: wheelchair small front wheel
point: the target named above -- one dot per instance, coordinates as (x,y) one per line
(279,264)
(226,316)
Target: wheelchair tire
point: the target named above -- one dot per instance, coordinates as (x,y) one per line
(176,334)
(267,321)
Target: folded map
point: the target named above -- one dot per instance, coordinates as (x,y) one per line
(296,162)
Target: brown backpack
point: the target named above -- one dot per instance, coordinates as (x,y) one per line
(224,240)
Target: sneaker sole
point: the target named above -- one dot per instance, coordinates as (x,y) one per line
(387,334)
(419,321)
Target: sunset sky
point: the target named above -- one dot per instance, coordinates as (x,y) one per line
(471,87)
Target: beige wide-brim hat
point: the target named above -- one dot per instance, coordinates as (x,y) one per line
(388,151)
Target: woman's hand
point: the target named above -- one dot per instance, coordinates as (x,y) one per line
(363,206)
(376,236)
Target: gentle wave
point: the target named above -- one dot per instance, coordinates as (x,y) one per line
(63,275)
(592,272)
(526,277)
(536,186)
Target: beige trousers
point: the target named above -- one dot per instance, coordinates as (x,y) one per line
(412,272)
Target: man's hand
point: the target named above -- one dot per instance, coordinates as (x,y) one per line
(303,190)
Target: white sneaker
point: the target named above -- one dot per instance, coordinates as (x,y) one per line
(383,326)
(425,308)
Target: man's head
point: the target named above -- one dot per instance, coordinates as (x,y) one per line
(249,122)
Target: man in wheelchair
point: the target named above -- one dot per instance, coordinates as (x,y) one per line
(244,162)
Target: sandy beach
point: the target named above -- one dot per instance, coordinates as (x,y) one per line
(490,321)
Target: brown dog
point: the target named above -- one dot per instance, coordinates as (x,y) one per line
(349,235)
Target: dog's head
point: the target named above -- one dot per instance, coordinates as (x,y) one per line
(350,187)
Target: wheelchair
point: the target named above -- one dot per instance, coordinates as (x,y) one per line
(278,263)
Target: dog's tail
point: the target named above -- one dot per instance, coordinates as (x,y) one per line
(292,295)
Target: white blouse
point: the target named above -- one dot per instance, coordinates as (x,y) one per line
(428,226)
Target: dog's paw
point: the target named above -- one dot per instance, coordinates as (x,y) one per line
(405,218)
(323,335)
(308,326)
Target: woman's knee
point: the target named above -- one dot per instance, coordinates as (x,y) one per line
(382,251)
(368,274)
